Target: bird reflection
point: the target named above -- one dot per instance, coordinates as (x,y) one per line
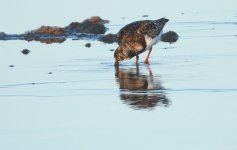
(140,90)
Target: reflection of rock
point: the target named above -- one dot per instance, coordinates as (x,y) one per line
(170,37)
(139,90)
(50,41)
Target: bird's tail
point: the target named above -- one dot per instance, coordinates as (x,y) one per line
(161,21)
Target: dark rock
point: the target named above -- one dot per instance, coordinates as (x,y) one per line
(145,15)
(94,25)
(109,38)
(2,34)
(11,66)
(56,31)
(86,27)
(166,48)
(25,51)
(170,37)
(91,28)
(96,20)
(88,45)
(50,73)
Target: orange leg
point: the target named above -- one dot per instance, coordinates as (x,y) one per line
(147,57)
(137,58)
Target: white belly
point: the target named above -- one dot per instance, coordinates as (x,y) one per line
(150,42)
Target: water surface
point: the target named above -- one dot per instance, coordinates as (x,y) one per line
(68,96)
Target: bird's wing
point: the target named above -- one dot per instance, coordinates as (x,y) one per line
(132,40)
(151,29)
(130,32)
(128,51)
(154,32)
(132,49)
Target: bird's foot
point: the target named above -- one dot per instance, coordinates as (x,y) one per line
(146,61)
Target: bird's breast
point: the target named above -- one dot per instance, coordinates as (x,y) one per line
(152,41)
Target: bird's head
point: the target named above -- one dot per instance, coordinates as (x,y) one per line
(118,54)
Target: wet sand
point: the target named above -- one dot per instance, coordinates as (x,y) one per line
(68,96)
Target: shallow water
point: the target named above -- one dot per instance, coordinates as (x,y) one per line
(68,96)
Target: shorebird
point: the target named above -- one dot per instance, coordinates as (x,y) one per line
(138,36)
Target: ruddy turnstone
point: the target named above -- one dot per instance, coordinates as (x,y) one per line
(136,37)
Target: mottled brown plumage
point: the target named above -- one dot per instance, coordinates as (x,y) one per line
(137,37)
